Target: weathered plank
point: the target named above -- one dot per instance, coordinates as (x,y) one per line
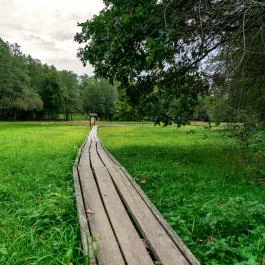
(108,159)
(85,234)
(92,138)
(84,229)
(161,245)
(101,230)
(132,246)
(105,158)
(170,231)
(95,159)
(112,198)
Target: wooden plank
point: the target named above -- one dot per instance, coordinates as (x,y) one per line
(164,243)
(95,159)
(86,146)
(92,138)
(102,152)
(132,246)
(84,229)
(160,243)
(169,230)
(109,252)
(105,158)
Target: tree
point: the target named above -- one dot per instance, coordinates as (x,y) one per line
(129,42)
(99,97)
(32,90)
(51,94)
(158,50)
(71,102)
(16,94)
(239,83)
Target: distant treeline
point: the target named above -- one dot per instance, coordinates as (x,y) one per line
(30,90)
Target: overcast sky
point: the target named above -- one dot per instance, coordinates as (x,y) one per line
(46,28)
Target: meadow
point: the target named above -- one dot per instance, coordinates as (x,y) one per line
(38,219)
(207,188)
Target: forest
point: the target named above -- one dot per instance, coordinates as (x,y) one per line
(30,90)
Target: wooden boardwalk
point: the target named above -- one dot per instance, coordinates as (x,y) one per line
(117,215)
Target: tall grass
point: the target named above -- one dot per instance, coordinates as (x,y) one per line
(200,183)
(38,221)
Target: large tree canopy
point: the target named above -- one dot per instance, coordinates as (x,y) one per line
(158,50)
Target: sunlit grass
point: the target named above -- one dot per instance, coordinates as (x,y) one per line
(38,220)
(199,181)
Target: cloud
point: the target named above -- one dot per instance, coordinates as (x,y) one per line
(13,26)
(42,43)
(62,35)
(71,64)
(46,28)
(35,42)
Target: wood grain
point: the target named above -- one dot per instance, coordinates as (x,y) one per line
(131,244)
(114,211)
(108,158)
(101,230)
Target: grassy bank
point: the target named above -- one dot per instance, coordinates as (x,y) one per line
(37,207)
(201,183)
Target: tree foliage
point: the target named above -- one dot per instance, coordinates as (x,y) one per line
(99,97)
(159,51)
(15,82)
(32,90)
(71,93)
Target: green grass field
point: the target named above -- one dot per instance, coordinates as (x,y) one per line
(196,177)
(200,182)
(38,220)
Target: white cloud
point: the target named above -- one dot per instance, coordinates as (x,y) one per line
(46,28)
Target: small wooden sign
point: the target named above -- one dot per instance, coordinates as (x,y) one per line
(93,118)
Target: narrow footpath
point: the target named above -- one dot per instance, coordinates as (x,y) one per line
(119,224)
